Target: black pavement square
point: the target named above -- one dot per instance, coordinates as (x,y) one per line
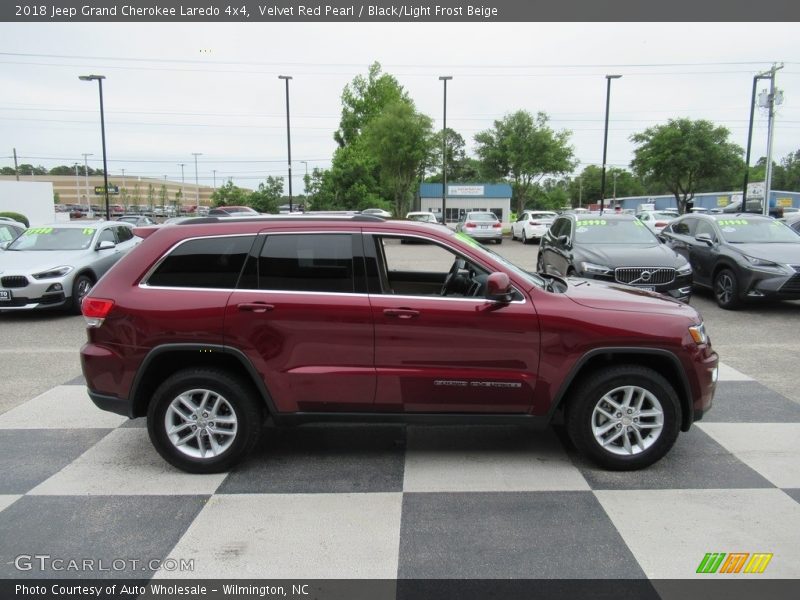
(117,529)
(138,422)
(29,456)
(497,535)
(79,380)
(794,493)
(750,402)
(323,459)
(696,461)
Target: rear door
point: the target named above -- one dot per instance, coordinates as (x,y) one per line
(302,316)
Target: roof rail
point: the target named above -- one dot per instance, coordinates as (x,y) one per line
(290,217)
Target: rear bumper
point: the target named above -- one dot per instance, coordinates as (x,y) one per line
(120,406)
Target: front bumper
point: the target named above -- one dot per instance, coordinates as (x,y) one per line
(34,294)
(769,284)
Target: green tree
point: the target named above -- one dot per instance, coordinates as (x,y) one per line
(267,197)
(685,155)
(523,149)
(400,140)
(28,169)
(229,195)
(7,171)
(65,170)
(365,98)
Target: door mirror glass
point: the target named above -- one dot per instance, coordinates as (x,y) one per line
(498,288)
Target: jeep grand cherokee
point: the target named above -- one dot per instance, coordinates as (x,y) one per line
(211,326)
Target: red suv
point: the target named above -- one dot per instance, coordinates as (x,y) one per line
(211,326)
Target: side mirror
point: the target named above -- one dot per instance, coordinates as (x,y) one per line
(105,245)
(498,288)
(563,240)
(705,238)
(4,245)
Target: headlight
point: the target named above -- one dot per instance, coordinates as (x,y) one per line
(764,264)
(698,333)
(684,269)
(52,273)
(596,269)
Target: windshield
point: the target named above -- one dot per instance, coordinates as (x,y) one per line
(613,231)
(54,238)
(481,217)
(756,231)
(426,218)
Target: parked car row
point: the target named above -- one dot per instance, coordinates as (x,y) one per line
(55,266)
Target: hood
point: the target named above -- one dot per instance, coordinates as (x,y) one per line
(783,252)
(612,296)
(24,262)
(629,255)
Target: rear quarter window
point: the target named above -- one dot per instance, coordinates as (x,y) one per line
(203,263)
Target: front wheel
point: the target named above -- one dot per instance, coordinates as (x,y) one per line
(80,289)
(726,289)
(203,420)
(625,418)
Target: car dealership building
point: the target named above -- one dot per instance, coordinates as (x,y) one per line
(465,197)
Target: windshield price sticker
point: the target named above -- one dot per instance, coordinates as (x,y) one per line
(733,222)
(594,222)
(39,231)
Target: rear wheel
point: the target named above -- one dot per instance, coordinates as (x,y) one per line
(625,418)
(203,420)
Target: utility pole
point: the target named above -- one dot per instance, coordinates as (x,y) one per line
(196,183)
(580,192)
(182,179)
(86,178)
(16,166)
(769,103)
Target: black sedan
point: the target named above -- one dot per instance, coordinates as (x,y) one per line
(740,257)
(617,248)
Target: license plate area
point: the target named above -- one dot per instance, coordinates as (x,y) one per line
(5,296)
(647,288)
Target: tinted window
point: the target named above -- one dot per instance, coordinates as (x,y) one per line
(204,263)
(107,235)
(612,231)
(705,227)
(306,263)
(560,227)
(684,227)
(124,234)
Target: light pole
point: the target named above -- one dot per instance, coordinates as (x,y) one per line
(196,182)
(444,79)
(183,181)
(286,78)
(605,141)
(86,178)
(77,189)
(99,80)
(214,171)
(614,175)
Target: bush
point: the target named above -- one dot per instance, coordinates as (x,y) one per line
(17,217)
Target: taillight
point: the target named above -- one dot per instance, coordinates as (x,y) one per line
(661,223)
(534,223)
(470,224)
(95,310)
(498,224)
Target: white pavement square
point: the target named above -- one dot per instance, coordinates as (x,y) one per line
(7,500)
(63,407)
(445,459)
(125,463)
(287,536)
(772,449)
(727,373)
(687,524)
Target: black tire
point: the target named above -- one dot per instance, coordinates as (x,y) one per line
(234,440)
(524,237)
(81,286)
(726,290)
(500,241)
(591,414)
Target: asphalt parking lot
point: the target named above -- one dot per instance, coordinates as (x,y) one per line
(388,501)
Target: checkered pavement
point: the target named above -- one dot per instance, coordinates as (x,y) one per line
(393,501)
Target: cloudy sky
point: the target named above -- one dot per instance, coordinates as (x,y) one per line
(175,89)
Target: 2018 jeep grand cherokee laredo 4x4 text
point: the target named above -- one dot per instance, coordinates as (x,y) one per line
(211,326)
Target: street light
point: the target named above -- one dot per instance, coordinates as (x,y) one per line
(286,78)
(444,79)
(605,141)
(196,182)
(99,80)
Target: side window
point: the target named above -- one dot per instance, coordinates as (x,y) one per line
(203,263)
(684,227)
(107,235)
(306,263)
(560,227)
(705,227)
(124,234)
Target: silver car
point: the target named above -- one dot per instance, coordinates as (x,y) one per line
(481,226)
(56,265)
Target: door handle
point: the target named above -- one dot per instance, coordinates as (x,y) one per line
(259,307)
(401,313)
